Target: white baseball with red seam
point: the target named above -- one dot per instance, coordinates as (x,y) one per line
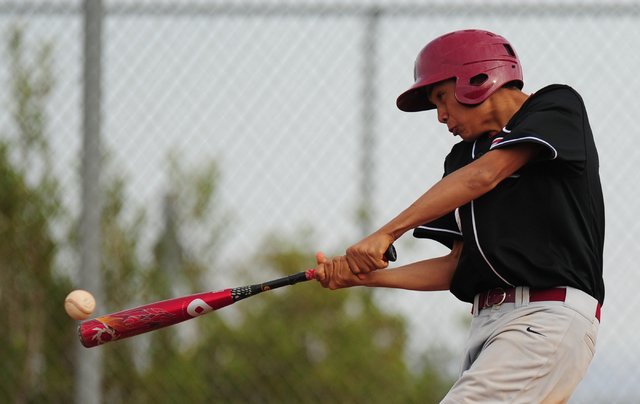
(79,304)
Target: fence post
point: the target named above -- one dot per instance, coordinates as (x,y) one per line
(368,137)
(89,361)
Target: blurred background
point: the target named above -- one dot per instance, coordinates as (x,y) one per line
(152,149)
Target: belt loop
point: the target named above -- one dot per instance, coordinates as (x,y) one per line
(518,296)
(524,296)
(476,305)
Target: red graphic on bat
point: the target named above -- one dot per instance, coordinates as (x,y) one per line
(145,318)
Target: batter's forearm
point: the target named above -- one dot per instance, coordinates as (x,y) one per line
(429,275)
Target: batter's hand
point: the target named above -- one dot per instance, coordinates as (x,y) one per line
(334,273)
(368,254)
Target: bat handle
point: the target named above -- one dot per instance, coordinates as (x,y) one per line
(391,255)
(247,291)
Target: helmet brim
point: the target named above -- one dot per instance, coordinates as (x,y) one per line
(414,100)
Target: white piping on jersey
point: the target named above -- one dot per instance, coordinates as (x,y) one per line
(475,231)
(475,235)
(555,152)
(473,214)
(440,230)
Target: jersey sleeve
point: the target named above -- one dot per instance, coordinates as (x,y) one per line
(552,118)
(444,230)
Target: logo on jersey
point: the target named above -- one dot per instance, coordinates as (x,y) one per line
(495,142)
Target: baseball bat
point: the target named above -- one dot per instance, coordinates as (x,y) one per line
(154,316)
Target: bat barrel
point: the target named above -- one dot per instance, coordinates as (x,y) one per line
(150,317)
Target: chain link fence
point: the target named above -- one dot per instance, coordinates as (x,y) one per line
(245,136)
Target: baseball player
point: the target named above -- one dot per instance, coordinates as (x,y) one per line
(521,208)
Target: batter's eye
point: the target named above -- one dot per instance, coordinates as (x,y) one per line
(478,80)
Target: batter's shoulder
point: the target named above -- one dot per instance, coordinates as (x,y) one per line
(554,98)
(557,94)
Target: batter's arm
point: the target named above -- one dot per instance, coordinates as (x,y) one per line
(428,275)
(451,192)
(462,186)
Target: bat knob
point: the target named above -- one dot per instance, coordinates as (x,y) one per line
(391,255)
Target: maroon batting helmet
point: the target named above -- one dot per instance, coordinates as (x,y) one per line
(480,61)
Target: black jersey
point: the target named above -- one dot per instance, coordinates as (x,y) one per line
(543,226)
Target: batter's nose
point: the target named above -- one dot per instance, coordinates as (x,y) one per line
(443,115)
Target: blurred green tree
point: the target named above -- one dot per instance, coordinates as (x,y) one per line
(298,344)
(306,344)
(181,259)
(37,337)
(122,274)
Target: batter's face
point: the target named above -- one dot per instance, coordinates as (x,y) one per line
(468,122)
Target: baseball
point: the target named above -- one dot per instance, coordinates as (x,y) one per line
(79,304)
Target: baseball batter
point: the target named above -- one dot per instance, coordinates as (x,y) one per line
(521,208)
